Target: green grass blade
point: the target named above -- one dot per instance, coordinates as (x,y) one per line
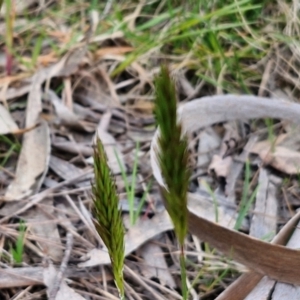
(123,173)
(133,183)
(215,201)
(142,202)
(18,251)
(154,21)
(130,190)
(245,203)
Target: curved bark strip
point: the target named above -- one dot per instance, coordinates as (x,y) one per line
(275,261)
(241,287)
(210,110)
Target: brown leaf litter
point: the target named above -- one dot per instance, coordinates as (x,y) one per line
(69,99)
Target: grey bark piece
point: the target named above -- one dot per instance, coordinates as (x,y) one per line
(155,264)
(209,141)
(7,123)
(63,168)
(264,220)
(236,169)
(66,170)
(112,150)
(287,291)
(73,148)
(219,212)
(34,157)
(263,290)
(45,229)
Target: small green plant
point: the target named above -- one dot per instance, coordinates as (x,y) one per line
(245,203)
(215,201)
(108,219)
(173,160)
(13,147)
(9,22)
(130,190)
(18,251)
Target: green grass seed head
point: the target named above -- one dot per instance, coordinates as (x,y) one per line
(108,219)
(173,153)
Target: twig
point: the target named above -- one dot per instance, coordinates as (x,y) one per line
(62,270)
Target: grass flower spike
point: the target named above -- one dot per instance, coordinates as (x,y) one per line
(173,160)
(107,214)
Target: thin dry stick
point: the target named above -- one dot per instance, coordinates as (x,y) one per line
(100,291)
(172,293)
(143,284)
(33,200)
(23,293)
(62,269)
(82,217)
(132,291)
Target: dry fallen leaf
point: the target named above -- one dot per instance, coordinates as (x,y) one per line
(155,264)
(64,292)
(32,164)
(208,143)
(67,117)
(45,229)
(31,169)
(35,153)
(64,67)
(7,123)
(220,166)
(136,236)
(67,170)
(111,148)
(112,50)
(280,158)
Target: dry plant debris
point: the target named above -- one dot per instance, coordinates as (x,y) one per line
(70,69)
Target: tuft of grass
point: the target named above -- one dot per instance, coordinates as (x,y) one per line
(173,160)
(130,189)
(215,201)
(214,38)
(108,219)
(11,147)
(246,202)
(18,251)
